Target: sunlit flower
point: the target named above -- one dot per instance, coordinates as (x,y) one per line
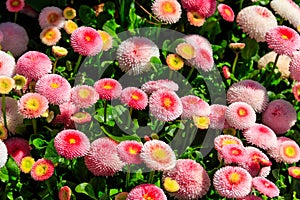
(237,46)
(6,84)
(50,35)
(152,86)
(165,105)
(106,39)
(103,159)
(51,16)
(157,155)
(84,96)
(223,140)
(289,152)
(265,187)
(233,153)
(33,65)
(193,105)
(174,62)
(280,116)
(59,52)
(15,38)
(226,12)
(64,193)
(66,111)
(7,63)
(256,21)
(168,11)
(134,98)
(15,5)
(81,117)
(195,18)
(42,169)
(69,13)
(294,172)
(108,88)
(294,66)
(201,122)
(205,8)
(71,143)
(3,152)
(86,41)
(134,54)
(26,164)
(191,177)
(146,191)
(20,81)
(18,148)
(171,185)
(185,50)
(32,105)
(70,26)
(232,182)
(129,151)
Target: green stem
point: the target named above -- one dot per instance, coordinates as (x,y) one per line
(54,65)
(190,74)
(16,17)
(269,77)
(127,177)
(4,110)
(34,125)
(170,74)
(105,110)
(241,4)
(77,64)
(151,176)
(235,62)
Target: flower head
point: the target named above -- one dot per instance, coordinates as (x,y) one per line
(108,88)
(15,5)
(296,91)
(152,86)
(81,117)
(69,13)
(51,16)
(84,96)
(7,64)
(32,105)
(185,50)
(265,187)
(191,177)
(157,155)
(250,197)
(195,18)
(64,193)
(66,111)
(193,105)
(42,169)
(50,35)
(224,140)
(171,185)
(289,152)
(106,39)
(86,41)
(59,52)
(18,148)
(4,155)
(6,84)
(233,153)
(274,152)
(217,116)
(70,26)
(165,105)
(20,81)
(226,12)
(168,11)
(201,122)
(134,98)
(174,62)
(294,172)
(26,164)
(205,8)
(121,196)
(146,191)
(129,151)
(293,67)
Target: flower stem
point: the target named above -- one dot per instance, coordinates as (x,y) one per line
(269,77)
(54,65)
(34,125)
(235,62)
(16,17)
(151,176)
(4,110)
(77,63)
(127,177)
(190,74)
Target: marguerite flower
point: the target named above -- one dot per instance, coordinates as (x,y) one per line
(15,5)
(7,63)
(185,50)
(26,164)
(226,12)
(174,62)
(194,106)
(146,191)
(42,169)
(18,148)
(108,88)
(265,186)
(51,16)
(294,172)
(84,96)
(151,86)
(129,151)
(32,105)
(64,193)
(134,98)
(168,11)
(6,84)
(50,35)
(195,18)
(69,13)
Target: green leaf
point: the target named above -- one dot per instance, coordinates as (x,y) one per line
(13,169)
(102,18)
(121,138)
(87,189)
(51,153)
(4,177)
(87,15)
(251,48)
(110,7)
(111,28)
(39,143)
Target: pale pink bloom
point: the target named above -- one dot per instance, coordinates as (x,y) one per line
(250,197)
(233,153)
(205,7)
(84,96)
(151,86)
(50,35)
(296,91)
(193,105)
(294,66)
(81,117)
(168,11)
(51,16)
(289,152)
(7,64)
(217,116)
(224,140)
(274,152)
(32,105)
(265,187)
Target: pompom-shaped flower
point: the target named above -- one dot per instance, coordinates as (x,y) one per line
(59,52)
(283,40)
(289,152)
(250,197)
(7,63)
(256,21)
(204,7)
(134,98)
(217,116)
(280,116)
(192,178)
(18,148)
(294,172)
(193,105)
(107,40)
(195,18)
(71,143)
(233,153)
(64,193)
(157,155)
(81,117)
(223,140)
(129,151)
(165,105)
(84,96)
(261,136)
(250,92)
(42,169)
(174,62)
(3,152)
(108,88)
(66,111)
(26,164)
(294,66)
(240,115)
(15,5)
(102,158)
(70,26)
(32,105)
(33,65)
(51,16)
(274,152)
(50,35)
(265,186)
(55,88)
(6,84)
(168,11)
(226,12)
(15,38)
(232,182)
(134,54)
(151,86)
(146,191)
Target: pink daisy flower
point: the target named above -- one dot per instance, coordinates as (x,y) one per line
(4,154)
(280,116)
(250,92)
(157,155)
(206,8)
(233,153)
(51,16)
(191,186)
(165,105)
(33,65)
(15,5)
(294,66)
(294,172)
(296,91)
(289,152)
(84,96)
(195,18)
(283,40)
(106,39)
(71,143)
(168,11)
(50,35)
(64,193)
(102,158)
(134,98)
(240,115)
(108,88)
(224,140)
(18,148)
(256,21)
(226,72)
(86,41)
(129,151)
(226,12)
(66,111)
(232,182)
(274,151)
(185,50)
(146,191)
(134,54)
(1,36)
(7,63)
(15,38)
(32,105)
(265,187)
(55,88)
(217,116)
(42,169)
(250,197)
(151,86)
(81,117)
(261,136)
(193,105)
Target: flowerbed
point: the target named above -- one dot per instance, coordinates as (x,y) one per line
(149,100)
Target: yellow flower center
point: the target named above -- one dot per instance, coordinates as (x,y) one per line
(26,164)
(107,87)
(41,169)
(242,112)
(168,7)
(296,171)
(167,102)
(72,141)
(88,38)
(227,11)
(284,37)
(148,197)
(171,185)
(159,154)
(234,178)
(49,35)
(228,141)
(33,104)
(290,151)
(54,85)
(15,3)
(135,97)
(133,150)
(84,93)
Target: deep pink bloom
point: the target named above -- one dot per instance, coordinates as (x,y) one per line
(86,41)
(165,105)
(294,66)
(192,186)
(32,105)
(224,140)
(42,169)
(146,191)
(226,12)
(64,193)
(108,88)
(129,151)
(15,5)
(193,105)
(7,64)
(71,143)
(233,153)
(294,172)
(4,155)
(151,86)
(55,88)
(206,8)
(217,116)
(265,186)
(18,148)
(226,72)
(250,197)
(33,65)
(168,11)
(51,16)
(134,98)
(84,96)
(15,38)
(280,116)
(66,111)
